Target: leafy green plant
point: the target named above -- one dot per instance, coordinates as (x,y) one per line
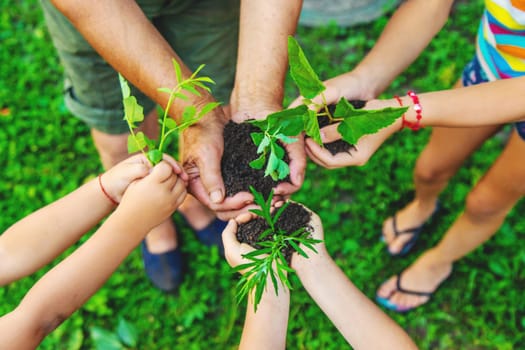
(282,126)
(134,113)
(124,337)
(268,259)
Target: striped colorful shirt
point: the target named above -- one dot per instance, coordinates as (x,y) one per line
(501,39)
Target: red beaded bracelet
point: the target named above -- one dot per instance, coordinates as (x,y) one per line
(104,191)
(417,108)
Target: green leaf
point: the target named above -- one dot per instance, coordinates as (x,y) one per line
(311,126)
(279,212)
(127,332)
(257,137)
(287,121)
(133,112)
(302,72)
(283,170)
(259,162)
(136,142)
(166,90)
(360,122)
(260,123)
(155,156)
(105,340)
(191,89)
(189,113)
(297,248)
(272,166)
(265,142)
(285,139)
(208,108)
(170,124)
(178,71)
(124,87)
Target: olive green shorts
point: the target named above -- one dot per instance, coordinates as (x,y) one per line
(200,32)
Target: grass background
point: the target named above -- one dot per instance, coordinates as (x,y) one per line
(46,153)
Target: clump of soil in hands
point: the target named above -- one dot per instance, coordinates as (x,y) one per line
(339,146)
(294,217)
(239,151)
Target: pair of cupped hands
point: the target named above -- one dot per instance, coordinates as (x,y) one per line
(202,146)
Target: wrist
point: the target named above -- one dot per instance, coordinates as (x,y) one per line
(254,103)
(368,86)
(106,191)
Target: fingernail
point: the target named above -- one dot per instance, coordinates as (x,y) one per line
(216,196)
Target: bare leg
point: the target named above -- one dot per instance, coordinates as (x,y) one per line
(486,207)
(443,155)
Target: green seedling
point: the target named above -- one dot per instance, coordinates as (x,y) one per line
(134,113)
(281,128)
(268,258)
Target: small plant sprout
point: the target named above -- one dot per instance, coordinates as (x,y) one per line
(134,113)
(268,258)
(282,127)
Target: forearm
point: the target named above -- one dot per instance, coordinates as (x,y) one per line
(69,285)
(263,54)
(491,103)
(271,318)
(40,237)
(120,32)
(406,35)
(358,319)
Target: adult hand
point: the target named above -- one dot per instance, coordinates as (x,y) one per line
(202,146)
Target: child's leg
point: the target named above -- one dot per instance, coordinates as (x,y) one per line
(486,208)
(443,155)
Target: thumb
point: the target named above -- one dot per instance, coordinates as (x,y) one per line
(211,178)
(330,134)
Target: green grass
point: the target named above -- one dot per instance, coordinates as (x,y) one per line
(46,153)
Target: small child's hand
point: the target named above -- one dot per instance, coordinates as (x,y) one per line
(317,233)
(118,178)
(233,249)
(151,200)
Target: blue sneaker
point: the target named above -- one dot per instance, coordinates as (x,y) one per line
(211,235)
(165,270)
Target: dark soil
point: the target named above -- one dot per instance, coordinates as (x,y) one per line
(239,151)
(294,217)
(338,146)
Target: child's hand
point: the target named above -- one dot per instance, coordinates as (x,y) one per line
(151,200)
(233,249)
(299,261)
(361,152)
(118,178)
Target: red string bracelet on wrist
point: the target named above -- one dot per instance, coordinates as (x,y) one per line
(417,108)
(104,191)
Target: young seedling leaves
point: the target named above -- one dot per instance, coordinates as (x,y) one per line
(311,126)
(137,142)
(134,113)
(302,72)
(360,122)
